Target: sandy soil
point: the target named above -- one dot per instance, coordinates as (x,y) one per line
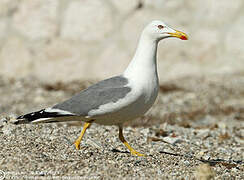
(194,130)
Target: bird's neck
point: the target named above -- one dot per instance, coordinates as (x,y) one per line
(144,60)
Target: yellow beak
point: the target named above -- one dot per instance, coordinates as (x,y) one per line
(179,34)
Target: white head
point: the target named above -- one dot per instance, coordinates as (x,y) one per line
(158,30)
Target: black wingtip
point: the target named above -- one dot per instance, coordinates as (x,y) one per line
(23,119)
(30,117)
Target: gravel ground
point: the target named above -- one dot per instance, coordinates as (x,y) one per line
(194,130)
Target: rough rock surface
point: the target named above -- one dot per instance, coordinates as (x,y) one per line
(96,39)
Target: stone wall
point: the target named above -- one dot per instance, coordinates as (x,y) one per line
(94,39)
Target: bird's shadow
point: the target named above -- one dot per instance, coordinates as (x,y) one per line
(211,162)
(118,151)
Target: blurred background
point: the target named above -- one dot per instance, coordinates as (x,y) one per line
(65,40)
(52,49)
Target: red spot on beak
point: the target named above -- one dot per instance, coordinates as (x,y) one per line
(183,37)
(179,35)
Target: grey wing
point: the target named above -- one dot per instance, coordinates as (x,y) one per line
(106,91)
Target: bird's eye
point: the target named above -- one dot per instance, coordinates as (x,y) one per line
(160,26)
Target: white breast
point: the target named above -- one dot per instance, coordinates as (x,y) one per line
(148,90)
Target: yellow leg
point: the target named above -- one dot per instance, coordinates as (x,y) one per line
(77,142)
(122,139)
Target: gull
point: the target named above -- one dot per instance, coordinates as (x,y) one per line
(119,99)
